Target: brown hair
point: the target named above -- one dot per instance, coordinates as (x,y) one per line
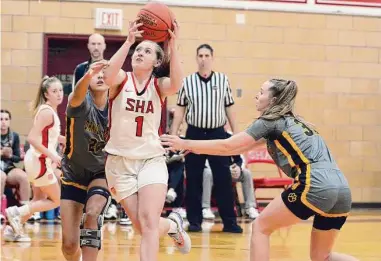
(284,92)
(40,97)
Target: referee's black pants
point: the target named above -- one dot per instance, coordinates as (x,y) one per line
(222,180)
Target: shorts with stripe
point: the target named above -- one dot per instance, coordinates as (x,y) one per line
(322,193)
(39,169)
(76,179)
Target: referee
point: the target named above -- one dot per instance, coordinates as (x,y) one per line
(96,45)
(206,100)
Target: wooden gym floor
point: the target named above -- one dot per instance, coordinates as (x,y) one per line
(361,237)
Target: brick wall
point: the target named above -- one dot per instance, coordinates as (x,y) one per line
(335,60)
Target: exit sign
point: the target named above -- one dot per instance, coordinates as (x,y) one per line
(109,19)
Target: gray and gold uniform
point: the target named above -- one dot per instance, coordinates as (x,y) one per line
(319,189)
(84,159)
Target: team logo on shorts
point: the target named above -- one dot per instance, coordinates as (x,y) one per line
(50,176)
(113,190)
(292,197)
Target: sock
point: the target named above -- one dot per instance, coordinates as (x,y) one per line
(24,210)
(24,202)
(172,227)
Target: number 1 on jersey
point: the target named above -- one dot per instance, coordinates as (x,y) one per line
(139,125)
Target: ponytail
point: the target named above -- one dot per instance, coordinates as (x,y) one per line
(43,88)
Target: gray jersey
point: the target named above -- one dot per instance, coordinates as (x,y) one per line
(86,133)
(303,155)
(292,144)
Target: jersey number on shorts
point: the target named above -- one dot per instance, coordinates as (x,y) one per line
(95,146)
(139,125)
(307,130)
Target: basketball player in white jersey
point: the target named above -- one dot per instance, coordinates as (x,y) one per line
(136,171)
(42,158)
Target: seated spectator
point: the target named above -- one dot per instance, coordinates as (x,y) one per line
(10,154)
(239,174)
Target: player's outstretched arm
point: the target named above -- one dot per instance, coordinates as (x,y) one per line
(236,144)
(114,75)
(170,86)
(82,85)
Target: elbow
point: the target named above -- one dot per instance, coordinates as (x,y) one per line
(175,87)
(31,140)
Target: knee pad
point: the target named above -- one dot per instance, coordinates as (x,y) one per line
(93,237)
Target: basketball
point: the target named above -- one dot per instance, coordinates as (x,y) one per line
(156,18)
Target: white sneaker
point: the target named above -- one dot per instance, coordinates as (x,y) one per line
(36,216)
(10,236)
(124,219)
(208,214)
(14,219)
(112,212)
(252,213)
(181,211)
(171,195)
(181,238)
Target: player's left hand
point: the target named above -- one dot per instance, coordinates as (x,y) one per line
(173,142)
(174,35)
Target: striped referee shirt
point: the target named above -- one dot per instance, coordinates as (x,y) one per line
(205,100)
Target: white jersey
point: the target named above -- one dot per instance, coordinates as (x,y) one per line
(134,121)
(49,135)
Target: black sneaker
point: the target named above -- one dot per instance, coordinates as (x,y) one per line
(194,228)
(233,229)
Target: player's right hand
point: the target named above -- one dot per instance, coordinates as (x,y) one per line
(133,31)
(96,67)
(57,160)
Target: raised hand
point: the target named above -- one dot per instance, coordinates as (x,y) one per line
(95,68)
(133,31)
(173,35)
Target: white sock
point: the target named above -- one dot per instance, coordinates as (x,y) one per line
(24,210)
(172,227)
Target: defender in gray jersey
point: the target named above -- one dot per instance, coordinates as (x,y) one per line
(84,194)
(320,189)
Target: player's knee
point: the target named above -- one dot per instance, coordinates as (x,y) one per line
(69,247)
(318,255)
(92,214)
(259,225)
(148,222)
(92,219)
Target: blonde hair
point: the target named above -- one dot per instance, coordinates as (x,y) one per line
(44,86)
(284,92)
